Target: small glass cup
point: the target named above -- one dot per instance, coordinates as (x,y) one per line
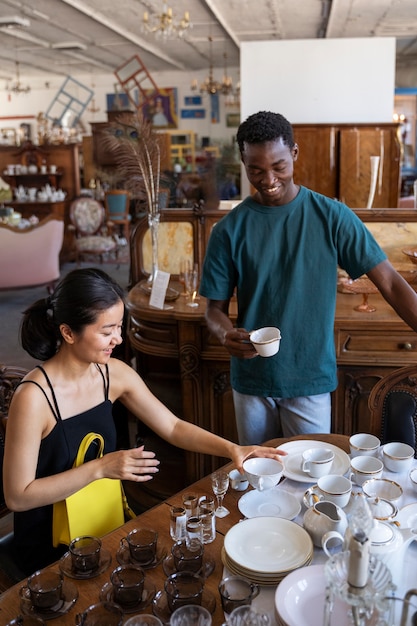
(190,503)
(142,544)
(101,613)
(145,619)
(206,508)
(177,521)
(191,615)
(183,588)
(194,530)
(128,582)
(236,591)
(85,554)
(44,588)
(188,556)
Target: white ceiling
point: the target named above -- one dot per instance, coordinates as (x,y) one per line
(109,32)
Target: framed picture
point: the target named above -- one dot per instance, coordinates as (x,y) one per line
(118,102)
(232,120)
(192,100)
(193,114)
(161,108)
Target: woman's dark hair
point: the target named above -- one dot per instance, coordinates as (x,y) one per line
(77,301)
(264,126)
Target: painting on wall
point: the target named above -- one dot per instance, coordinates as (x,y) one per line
(162,109)
(193,114)
(118,102)
(232,120)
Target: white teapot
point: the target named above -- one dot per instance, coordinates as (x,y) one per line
(325,521)
(388,543)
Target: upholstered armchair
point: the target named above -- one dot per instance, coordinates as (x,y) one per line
(91,234)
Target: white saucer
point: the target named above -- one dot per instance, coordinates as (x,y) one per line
(407,516)
(293,461)
(274,502)
(299,599)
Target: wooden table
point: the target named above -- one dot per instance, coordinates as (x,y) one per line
(158,519)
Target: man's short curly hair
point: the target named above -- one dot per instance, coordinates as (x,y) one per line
(265,126)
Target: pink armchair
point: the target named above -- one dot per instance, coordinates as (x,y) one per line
(29,257)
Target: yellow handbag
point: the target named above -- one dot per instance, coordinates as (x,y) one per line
(96,509)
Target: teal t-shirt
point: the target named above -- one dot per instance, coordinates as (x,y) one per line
(283,263)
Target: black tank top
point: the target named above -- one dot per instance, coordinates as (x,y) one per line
(33,547)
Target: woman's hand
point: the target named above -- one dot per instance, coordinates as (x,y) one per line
(135,464)
(244,452)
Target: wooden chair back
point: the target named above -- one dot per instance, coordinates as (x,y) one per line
(10,377)
(393,406)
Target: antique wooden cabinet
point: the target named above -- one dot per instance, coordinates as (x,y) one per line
(66,176)
(334,159)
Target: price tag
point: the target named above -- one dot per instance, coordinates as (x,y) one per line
(159,289)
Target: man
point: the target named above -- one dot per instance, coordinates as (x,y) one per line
(280,249)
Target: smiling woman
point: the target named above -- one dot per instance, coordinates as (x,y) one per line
(74,333)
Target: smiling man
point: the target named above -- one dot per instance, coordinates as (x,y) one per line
(280,250)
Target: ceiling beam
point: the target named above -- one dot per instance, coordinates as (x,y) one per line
(111,25)
(219,17)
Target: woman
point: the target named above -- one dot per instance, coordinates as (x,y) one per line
(74,332)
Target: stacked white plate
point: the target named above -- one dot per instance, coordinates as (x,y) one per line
(266,549)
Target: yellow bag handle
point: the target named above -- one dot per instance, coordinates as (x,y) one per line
(85,444)
(82,451)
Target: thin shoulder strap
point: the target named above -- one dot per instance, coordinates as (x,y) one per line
(55,411)
(106,380)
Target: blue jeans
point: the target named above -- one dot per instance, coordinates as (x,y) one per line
(259,419)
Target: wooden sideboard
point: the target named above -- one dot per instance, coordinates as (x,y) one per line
(175,345)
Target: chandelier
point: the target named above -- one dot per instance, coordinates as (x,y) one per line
(17,87)
(163,25)
(211,86)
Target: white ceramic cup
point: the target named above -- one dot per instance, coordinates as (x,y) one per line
(238,481)
(364,444)
(263,473)
(364,468)
(397,457)
(317,462)
(266,340)
(335,488)
(413,478)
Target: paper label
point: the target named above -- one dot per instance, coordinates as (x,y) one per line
(159,289)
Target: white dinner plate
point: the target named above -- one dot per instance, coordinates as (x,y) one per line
(268,544)
(292,462)
(274,502)
(407,516)
(299,599)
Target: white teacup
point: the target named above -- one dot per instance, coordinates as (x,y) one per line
(333,488)
(266,340)
(364,468)
(364,444)
(238,481)
(317,462)
(263,473)
(398,457)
